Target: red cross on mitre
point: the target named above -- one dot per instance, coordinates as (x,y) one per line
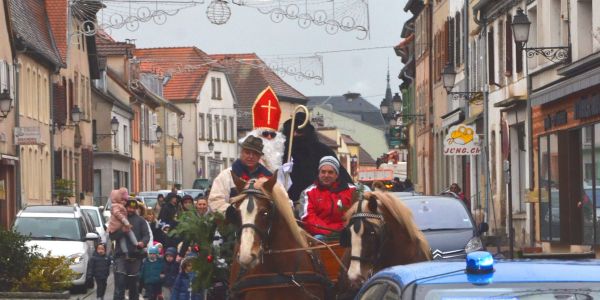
(266,111)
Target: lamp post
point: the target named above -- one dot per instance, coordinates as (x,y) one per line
(114,128)
(5,103)
(520,28)
(449,79)
(179,141)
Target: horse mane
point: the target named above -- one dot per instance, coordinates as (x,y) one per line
(282,204)
(401,213)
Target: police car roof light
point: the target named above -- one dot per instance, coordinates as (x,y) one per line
(480,262)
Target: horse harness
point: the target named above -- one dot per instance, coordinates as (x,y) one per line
(278,279)
(358,218)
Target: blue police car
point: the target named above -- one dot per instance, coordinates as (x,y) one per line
(480,277)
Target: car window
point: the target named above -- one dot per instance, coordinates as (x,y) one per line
(383,290)
(523,291)
(49,228)
(93,216)
(439,213)
(150,201)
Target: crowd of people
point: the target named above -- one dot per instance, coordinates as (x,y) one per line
(143,255)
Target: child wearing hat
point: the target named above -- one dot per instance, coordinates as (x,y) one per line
(99,269)
(118,218)
(151,273)
(170,271)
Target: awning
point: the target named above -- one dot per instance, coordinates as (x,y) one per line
(512,102)
(566,87)
(472,119)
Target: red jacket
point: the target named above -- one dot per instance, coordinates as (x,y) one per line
(325,206)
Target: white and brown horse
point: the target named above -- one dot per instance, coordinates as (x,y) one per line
(262,268)
(380,232)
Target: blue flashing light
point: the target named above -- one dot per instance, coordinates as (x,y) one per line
(480,262)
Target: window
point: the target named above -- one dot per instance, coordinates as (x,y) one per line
(94,131)
(201,125)
(224,129)
(509,46)
(125,139)
(491,56)
(216,88)
(210,127)
(116,179)
(584,26)
(218,127)
(232,128)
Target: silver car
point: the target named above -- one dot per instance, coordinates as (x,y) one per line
(97,220)
(60,231)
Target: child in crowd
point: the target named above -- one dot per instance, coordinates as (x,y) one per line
(98,269)
(118,217)
(151,273)
(182,288)
(170,271)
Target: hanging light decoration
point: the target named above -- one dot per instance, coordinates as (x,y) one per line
(218,12)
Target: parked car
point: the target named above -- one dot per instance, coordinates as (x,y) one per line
(150,198)
(62,231)
(480,277)
(97,220)
(195,193)
(202,184)
(107,206)
(446,224)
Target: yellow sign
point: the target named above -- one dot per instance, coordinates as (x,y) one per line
(461,140)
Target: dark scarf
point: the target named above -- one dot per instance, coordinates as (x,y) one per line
(242,171)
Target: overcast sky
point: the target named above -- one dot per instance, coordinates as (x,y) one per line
(250,31)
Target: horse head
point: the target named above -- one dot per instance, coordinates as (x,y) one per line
(364,234)
(252,211)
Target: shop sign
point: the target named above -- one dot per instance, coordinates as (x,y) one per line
(27,136)
(462,140)
(558,119)
(587,107)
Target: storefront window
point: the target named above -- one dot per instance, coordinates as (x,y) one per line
(586,204)
(554,188)
(596,183)
(544,198)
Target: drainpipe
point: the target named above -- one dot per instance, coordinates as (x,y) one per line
(17,70)
(52,187)
(430,141)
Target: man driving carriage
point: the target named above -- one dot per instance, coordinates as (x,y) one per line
(325,201)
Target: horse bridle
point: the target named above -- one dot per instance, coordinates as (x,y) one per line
(355,220)
(251,192)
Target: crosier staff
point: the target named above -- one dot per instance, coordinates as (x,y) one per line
(301,107)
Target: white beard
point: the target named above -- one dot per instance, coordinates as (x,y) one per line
(273,149)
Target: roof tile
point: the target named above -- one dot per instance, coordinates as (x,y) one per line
(57,15)
(188,67)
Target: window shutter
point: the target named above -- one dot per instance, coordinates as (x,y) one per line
(491,69)
(509,46)
(58,164)
(450,43)
(458,39)
(60,103)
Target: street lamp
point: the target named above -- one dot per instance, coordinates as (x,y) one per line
(157,133)
(76,114)
(5,103)
(211,147)
(180,138)
(397,102)
(520,27)
(114,124)
(384,107)
(114,128)
(449,78)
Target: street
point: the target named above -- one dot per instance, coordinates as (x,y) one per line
(91,293)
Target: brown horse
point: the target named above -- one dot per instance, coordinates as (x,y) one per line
(380,232)
(262,269)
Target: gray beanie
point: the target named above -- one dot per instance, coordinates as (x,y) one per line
(330,161)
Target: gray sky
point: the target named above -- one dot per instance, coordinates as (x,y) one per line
(250,31)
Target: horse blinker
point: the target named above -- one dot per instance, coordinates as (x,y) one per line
(345,237)
(232,216)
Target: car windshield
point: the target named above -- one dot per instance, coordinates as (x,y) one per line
(93,215)
(150,201)
(525,291)
(49,228)
(194,194)
(439,214)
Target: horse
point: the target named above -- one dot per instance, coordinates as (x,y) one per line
(262,268)
(380,232)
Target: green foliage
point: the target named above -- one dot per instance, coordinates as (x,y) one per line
(46,274)
(64,190)
(15,258)
(200,231)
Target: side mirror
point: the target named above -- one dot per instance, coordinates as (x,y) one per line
(483,228)
(101,209)
(91,236)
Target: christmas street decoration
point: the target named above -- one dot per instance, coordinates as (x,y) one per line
(218,12)
(333,15)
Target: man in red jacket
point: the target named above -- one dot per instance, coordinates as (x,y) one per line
(325,201)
